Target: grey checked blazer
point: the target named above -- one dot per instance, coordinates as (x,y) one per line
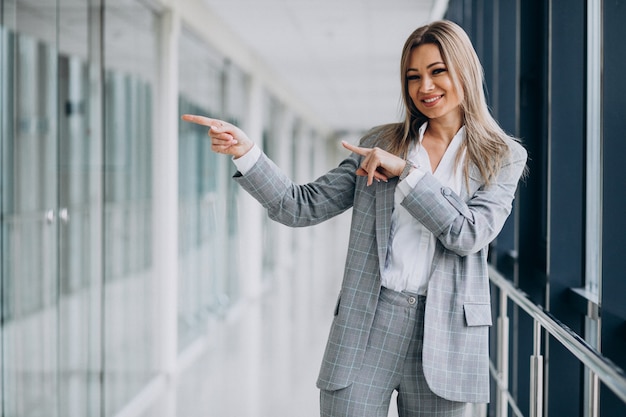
(458,313)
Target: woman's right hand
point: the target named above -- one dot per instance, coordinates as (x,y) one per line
(377,164)
(225,137)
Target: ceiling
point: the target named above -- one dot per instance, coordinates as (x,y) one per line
(341,57)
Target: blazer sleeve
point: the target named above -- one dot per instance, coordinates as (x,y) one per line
(300,205)
(466,227)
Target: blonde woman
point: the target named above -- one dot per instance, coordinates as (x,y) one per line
(428,196)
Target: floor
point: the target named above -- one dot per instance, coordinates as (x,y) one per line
(262,362)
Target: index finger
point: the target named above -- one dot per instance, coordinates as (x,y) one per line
(356,149)
(201,120)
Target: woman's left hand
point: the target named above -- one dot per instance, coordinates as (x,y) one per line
(377,163)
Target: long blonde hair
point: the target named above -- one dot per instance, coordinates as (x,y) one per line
(484,139)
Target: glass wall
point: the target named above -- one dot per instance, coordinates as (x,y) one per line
(51,210)
(131,322)
(80,209)
(86,325)
(200,92)
(30,241)
(78,292)
(236,98)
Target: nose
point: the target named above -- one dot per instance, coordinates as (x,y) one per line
(427,84)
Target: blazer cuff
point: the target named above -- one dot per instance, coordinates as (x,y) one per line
(430,204)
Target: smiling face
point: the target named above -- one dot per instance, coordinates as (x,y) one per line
(430,85)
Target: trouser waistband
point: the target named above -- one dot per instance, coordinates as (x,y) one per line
(404,298)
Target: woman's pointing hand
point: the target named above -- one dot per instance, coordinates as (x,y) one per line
(225,137)
(377,163)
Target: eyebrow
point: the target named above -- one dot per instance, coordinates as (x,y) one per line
(428,66)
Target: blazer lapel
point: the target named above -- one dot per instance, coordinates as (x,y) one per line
(384,208)
(474,184)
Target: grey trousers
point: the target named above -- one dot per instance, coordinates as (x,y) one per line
(393,361)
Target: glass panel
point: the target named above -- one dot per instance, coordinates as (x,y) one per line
(200,250)
(237,84)
(273,114)
(236,99)
(131,345)
(29,202)
(200,74)
(80,213)
(198,246)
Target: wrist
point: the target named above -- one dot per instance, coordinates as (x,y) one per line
(244,150)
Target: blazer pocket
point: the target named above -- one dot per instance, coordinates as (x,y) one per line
(477,314)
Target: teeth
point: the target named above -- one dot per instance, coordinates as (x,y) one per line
(430,100)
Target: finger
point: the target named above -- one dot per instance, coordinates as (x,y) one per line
(357,150)
(223,142)
(201,120)
(221,136)
(370,170)
(371,164)
(370,177)
(378,176)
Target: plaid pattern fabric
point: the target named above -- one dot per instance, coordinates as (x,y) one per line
(455,351)
(392,361)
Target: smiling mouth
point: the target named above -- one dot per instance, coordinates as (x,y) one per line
(431,99)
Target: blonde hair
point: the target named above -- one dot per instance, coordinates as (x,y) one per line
(484,142)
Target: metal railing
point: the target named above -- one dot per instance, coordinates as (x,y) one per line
(599,367)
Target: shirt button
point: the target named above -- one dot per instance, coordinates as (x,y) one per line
(412,300)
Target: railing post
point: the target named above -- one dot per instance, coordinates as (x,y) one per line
(502,404)
(592,399)
(536,374)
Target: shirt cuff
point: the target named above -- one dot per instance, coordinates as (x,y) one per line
(245,162)
(406,185)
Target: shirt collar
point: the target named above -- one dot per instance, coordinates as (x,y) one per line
(458,137)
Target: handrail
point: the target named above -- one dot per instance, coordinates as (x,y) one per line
(609,373)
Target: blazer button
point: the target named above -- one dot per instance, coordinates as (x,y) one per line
(446,191)
(412,300)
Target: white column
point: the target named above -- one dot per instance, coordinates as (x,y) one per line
(251,214)
(165,191)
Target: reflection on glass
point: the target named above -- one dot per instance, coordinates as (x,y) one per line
(29,235)
(50,203)
(130,346)
(200,246)
(273,114)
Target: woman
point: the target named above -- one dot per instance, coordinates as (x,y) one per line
(428,196)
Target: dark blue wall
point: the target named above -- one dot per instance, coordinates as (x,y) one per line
(534,56)
(614,194)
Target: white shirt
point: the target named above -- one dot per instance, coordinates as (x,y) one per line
(411,245)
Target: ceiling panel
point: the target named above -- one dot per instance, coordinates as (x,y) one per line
(341,57)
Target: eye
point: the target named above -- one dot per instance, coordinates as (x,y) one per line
(439,71)
(412,77)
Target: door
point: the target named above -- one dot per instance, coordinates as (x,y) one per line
(51,202)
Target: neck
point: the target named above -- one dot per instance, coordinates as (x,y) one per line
(443,131)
